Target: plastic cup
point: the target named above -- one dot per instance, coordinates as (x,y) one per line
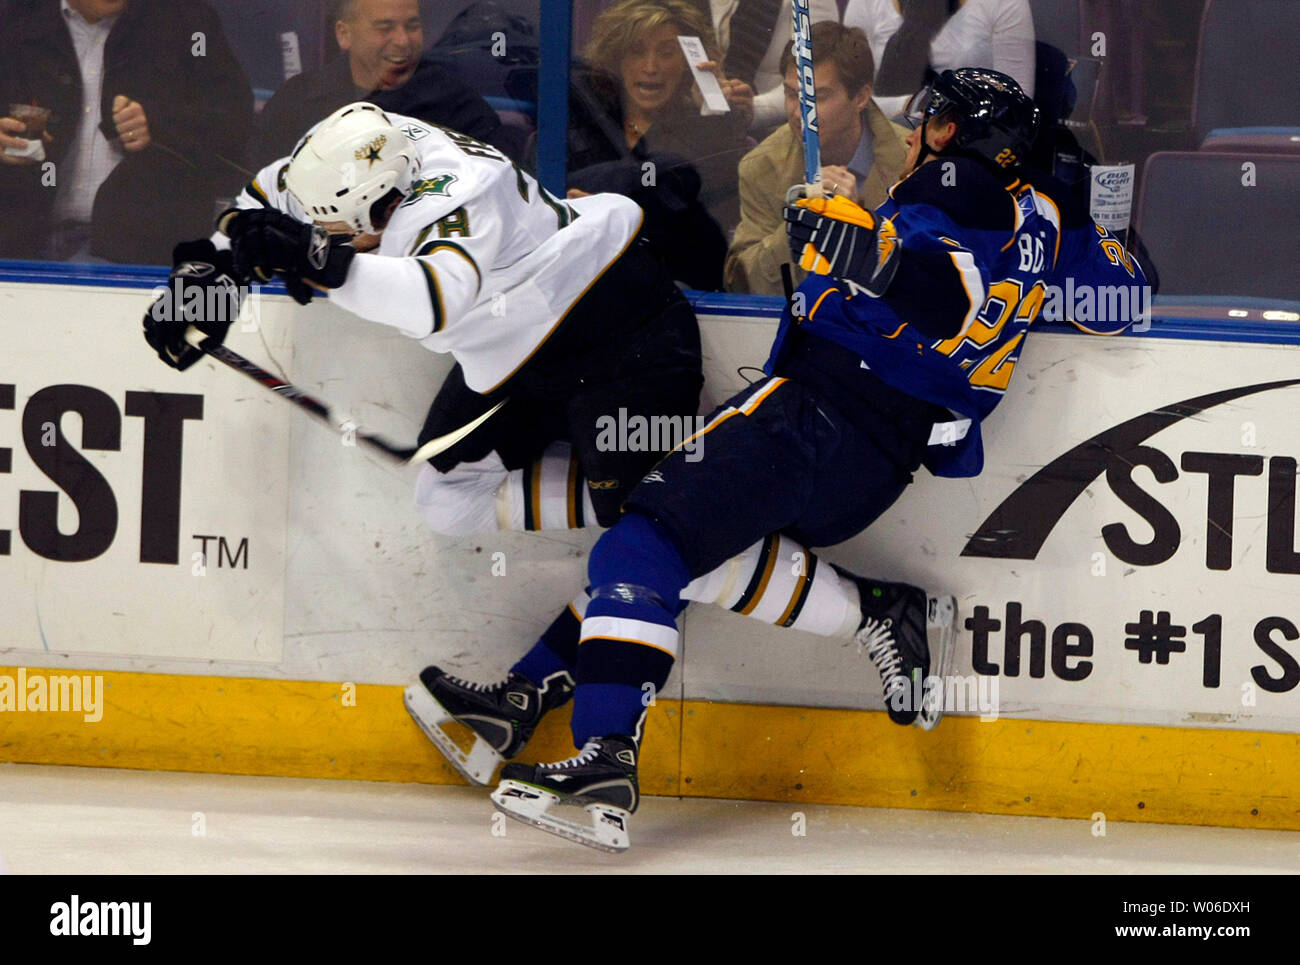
(34,117)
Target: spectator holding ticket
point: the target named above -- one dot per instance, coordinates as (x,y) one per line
(636,128)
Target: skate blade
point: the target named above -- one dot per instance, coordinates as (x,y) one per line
(941,618)
(531,805)
(478,764)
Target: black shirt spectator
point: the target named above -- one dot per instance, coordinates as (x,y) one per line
(431,94)
(381,41)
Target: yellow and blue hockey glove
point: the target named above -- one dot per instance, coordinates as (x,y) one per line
(835,236)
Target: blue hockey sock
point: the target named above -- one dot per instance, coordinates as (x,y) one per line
(601,710)
(557,648)
(629,635)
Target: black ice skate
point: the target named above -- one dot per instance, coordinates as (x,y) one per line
(601,778)
(909,637)
(502,716)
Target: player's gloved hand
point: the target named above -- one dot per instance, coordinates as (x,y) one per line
(266,242)
(835,236)
(203,291)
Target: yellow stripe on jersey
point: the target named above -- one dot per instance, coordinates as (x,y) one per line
(753,403)
(817,304)
(510,375)
(255,189)
(535,493)
(572,490)
(435,296)
(419,239)
(758,400)
(433,246)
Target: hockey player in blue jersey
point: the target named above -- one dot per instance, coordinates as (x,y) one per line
(907,336)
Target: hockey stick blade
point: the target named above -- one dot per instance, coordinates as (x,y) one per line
(287,390)
(443,443)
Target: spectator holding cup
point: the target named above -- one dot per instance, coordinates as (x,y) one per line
(148,114)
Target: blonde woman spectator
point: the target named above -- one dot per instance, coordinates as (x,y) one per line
(635,128)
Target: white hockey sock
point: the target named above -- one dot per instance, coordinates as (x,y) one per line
(462,501)
(478,497)
(781,582)
(549,493)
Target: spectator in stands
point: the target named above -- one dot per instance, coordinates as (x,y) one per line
(862,154)
(751,35)
(635,128)
(150,115)
(381,42)
(937,35)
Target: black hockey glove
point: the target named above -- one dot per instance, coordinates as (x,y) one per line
(834,236)
(202,291)
(266,242)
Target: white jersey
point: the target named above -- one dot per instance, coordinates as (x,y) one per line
(479,260)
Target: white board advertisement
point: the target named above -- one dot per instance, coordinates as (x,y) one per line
(142,510)
(1129,553)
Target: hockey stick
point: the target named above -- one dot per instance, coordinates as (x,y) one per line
(812,160)
(320,410)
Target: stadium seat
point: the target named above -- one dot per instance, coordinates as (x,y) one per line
(1221,224)
(1246,65)
(1253,140)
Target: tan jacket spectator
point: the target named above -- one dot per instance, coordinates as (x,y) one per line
(767,172)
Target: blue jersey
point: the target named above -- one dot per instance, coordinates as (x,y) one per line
(979,262)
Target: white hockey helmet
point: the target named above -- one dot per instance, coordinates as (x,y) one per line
(352,160)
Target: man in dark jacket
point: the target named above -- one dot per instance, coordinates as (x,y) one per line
(381,43)
(150,115)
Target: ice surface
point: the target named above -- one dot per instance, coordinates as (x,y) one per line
(70,820)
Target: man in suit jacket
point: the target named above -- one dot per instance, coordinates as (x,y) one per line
(150,119)
(862,155)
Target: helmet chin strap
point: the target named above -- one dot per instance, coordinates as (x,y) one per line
(951,151)
(926,151)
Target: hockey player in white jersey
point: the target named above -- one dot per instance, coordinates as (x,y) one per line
(558,308)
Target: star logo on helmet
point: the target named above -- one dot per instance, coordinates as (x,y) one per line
(371,151)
